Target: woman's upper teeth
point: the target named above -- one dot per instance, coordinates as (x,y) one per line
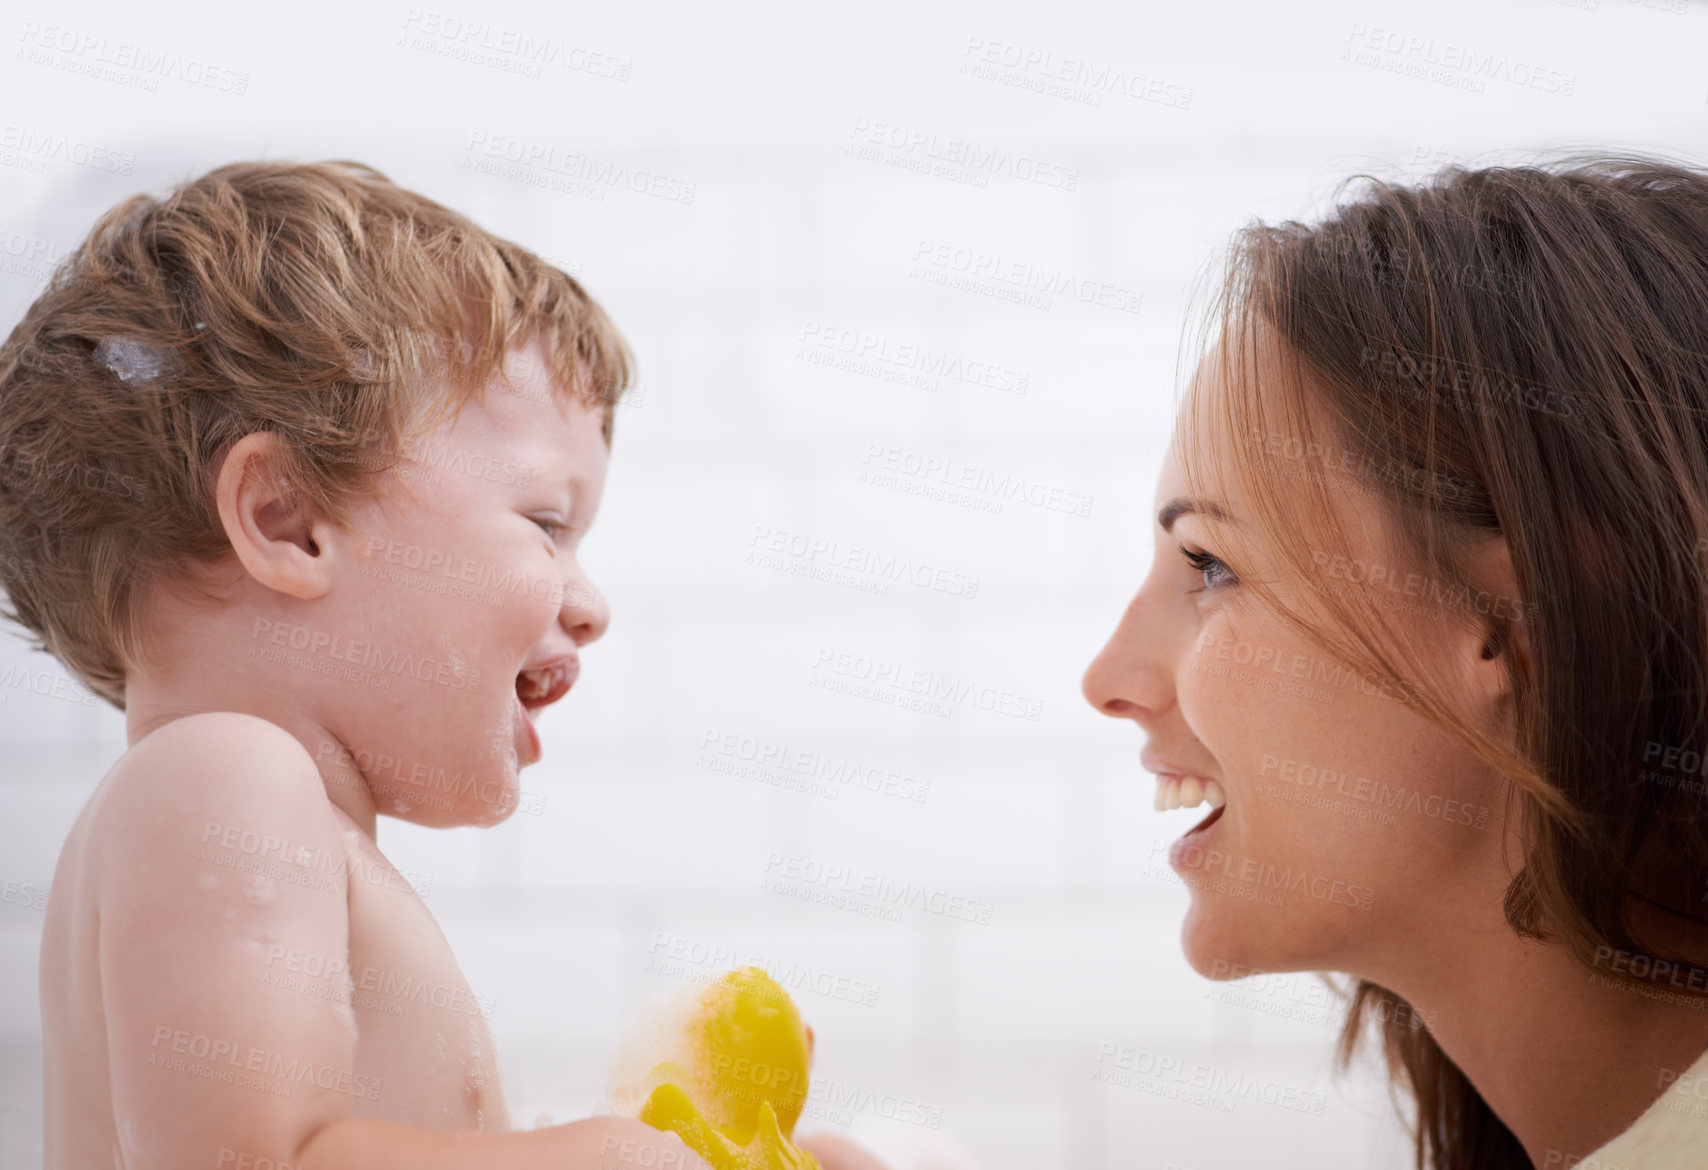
(1188,792)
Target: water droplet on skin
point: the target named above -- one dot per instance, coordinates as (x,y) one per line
(448,648)
(259,891)
(403,806)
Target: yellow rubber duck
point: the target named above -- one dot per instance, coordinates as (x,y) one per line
(726,1069)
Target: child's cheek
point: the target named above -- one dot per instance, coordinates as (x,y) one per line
(535,591)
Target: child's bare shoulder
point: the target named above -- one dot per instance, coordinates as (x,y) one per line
(219,778)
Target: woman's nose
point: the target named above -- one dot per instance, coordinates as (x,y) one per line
(1129,676)
(1102,684)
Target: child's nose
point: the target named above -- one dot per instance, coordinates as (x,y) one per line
(585,612)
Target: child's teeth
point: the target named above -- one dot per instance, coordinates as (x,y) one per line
(1191,792)
(1213,794)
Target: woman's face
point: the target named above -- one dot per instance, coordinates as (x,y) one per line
(1353,830)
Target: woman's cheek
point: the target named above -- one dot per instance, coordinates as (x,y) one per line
(1192,687)
(1206,686)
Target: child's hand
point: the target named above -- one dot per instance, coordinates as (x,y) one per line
(835,1153)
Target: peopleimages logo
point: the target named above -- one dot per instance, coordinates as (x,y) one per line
(594,175)
(1461,65)
(123,62)
(215,1058)
(1275,661)
(947,479)
(926,685)
(680,956)
(1070,78)
(1263,877)
(1388,797)
(900,361)
(956,266)
(511,50)
(840,1100)
(1118,1064)
(956,157)
(874,889)
(831,560)
(765,754)
(335,648)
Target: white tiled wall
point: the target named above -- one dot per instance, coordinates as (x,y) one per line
(994,1029)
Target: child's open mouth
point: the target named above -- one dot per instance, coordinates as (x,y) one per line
(538,687)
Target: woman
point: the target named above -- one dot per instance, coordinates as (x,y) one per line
(1427,627)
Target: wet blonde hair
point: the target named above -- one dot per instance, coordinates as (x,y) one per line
(317,301)
(1517,352)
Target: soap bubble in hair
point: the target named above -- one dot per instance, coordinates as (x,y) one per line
(133,358)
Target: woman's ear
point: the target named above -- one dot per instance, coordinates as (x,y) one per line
(1499,622)
(273,529)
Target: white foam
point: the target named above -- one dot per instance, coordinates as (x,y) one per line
(133,358)
(657,1033)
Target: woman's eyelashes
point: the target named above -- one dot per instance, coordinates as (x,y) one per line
(1208,564)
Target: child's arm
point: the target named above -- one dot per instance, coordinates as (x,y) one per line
(217,847)
(837,1153)
(599,1143)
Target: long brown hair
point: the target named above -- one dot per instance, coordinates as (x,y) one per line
(1514,351)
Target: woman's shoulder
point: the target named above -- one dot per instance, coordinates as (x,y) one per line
(1672,1134)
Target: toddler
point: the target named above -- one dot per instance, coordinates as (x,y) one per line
(294,467)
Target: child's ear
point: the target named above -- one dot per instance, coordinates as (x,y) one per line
(272,527)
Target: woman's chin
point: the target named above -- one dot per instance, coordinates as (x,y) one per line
(1224,939)
(1215,947)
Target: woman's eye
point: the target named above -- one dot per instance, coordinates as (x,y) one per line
(1216,574)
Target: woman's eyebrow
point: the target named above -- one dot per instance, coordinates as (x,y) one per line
(1179,507)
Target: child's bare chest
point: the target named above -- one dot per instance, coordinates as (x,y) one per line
(423,1042)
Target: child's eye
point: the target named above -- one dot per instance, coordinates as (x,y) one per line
(1208,564)
(550,527)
